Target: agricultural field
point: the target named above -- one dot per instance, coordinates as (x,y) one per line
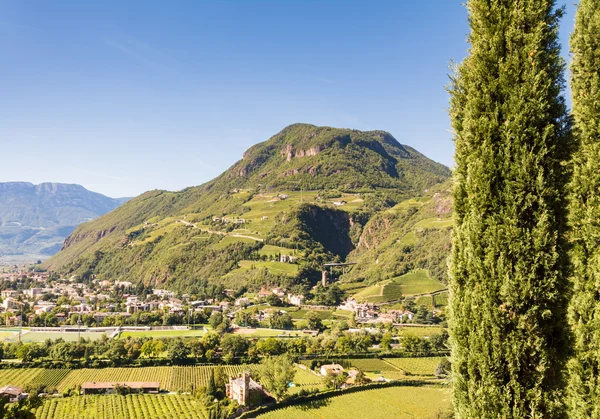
(165,333)
(51,377)
(277,268)
(66,336)
(376,368)
(266,333)
(434,223)
(133,406)
(170,378)
(421,332)
(391,402)
(19,376)
(227,240)
(186,378)
(409,239)
(301,314)
(161,374)
(418,282)
(416,366)
(270,250)
(306,378)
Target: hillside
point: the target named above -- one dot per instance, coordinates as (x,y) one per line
(306,192)
(35,219)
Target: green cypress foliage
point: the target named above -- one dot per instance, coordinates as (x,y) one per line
(509,265)
(584,368)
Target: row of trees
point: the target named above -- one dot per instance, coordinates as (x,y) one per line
(212,347)
(526,187)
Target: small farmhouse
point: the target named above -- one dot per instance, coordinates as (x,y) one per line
(12,393)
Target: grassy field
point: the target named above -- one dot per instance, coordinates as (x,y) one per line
(409,239)
(301,314)
(113,406)
(434,223)
(270,250)
(392,402)
(416,366)
(227,240)
(277,268)
(267,333)
(66,336)
(420,331)
(164,333)
(417,282)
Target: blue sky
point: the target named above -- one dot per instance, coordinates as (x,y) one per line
(126,96)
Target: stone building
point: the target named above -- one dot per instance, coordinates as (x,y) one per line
(244,390)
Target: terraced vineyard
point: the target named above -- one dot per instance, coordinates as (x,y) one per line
(127,407)
(375,368)
(385,403)
(19,376)
(77,377)
(416,366)
(51,377)
(184,378)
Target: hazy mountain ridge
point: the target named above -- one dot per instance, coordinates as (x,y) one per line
(35,219)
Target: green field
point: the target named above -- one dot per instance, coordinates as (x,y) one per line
(227,240)
(170,378)
(19,376)
(164,333)
(409,239)
(385,403)
(434,223)
(113,406)
(420,331)
(277,268)
(418,282)
(267,333)
(301,314)
(66,336)
(416,366)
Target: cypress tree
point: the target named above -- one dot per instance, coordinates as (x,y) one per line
(509,265)
(584,382)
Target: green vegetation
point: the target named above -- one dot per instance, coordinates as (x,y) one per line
(392,402)
(584,382)
(412,283)
(132,406)
(509,271)
(282,192)
(417,282)
(416,366)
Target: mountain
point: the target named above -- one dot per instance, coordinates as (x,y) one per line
(306,193)
(36,219)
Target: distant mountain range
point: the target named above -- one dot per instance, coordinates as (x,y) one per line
(311,193)
(36,219)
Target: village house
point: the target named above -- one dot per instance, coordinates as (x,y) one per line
(288,259)
(164,293)
(9,293)
(334,369)
(244,301)
(263,293)
(11,304)
(296,300)
(278,292)
(244,390)
(339,203)
(12,393)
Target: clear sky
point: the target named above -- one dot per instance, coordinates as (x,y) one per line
(125,96)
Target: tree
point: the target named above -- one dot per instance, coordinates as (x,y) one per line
(386,341)
(314,321)
(509,266)
(276,373)
(178,350)
(584,381)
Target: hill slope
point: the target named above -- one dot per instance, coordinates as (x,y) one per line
(306,193)
(35,219)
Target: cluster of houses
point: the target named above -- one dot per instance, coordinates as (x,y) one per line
(371,313)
